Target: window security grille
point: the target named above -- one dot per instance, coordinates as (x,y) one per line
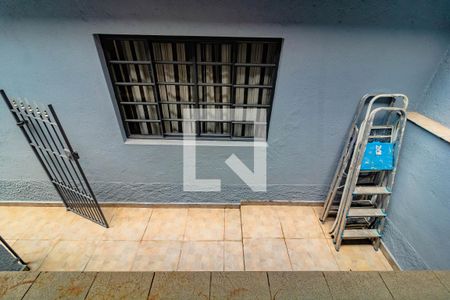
(155,78)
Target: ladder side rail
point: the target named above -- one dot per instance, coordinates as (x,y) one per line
(404,98)
(398,147)
(391,177)
(355,170)
(337,178)
(342,161)
(348,180)
(349,196)
(405,102)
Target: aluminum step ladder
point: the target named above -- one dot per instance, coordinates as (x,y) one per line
(360,192)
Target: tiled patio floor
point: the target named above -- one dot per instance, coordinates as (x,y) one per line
(252,238)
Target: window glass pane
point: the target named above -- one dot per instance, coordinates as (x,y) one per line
(214,94)
(171,52)
(176,93)
(140,112)
(257,53)
(218,129)
(256,96)
(131,73)
(214,74)
(134,93)
(126,50)
(214,52)
(175,74)
(144,128)
(254,75)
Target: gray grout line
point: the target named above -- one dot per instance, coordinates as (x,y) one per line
(223,246)
(386,285)
(54,243)
(26,292)
(284,240)
(90,287)
(328,285)
(268,284)
(146,226)
(210,283)
(151,285)
(242,238)
(182,240)
(440,281)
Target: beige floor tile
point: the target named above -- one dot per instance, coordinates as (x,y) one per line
(128,224)
(233,256)
(68,256)
(132,213)
(33,252)
(10,242)
(157,256)
(359,258)
(311,255)
(81,229)
(299,222)
(325,226)
(266,255)
(15,220)
(60,240)
(50,224)
(166,224)
(202,256)
(205,224)
(233,230)
(113,256)
(260,222)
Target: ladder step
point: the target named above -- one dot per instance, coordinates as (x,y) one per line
(379,136)
(366,212)
(360,233)
(371,190)
(389,127)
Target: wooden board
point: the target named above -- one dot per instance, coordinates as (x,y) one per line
(430,125)
(239,285)
(415,285)
(180,285)
(61,285)
(298,285)
(13,285)
(121,285)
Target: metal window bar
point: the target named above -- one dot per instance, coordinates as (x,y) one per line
(45,135)
(165,114)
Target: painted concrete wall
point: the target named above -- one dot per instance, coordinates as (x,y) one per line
(417,232)
(332,54)
(419,216)
(436,103)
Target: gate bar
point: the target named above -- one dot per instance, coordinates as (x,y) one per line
(20,123)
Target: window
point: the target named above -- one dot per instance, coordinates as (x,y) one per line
(155,78)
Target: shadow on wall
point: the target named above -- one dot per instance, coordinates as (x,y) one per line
(395,14)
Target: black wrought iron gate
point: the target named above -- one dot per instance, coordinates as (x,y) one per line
(44,133)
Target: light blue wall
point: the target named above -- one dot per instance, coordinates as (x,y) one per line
(417,233)
(332,54)
(419,216)
(436,103)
